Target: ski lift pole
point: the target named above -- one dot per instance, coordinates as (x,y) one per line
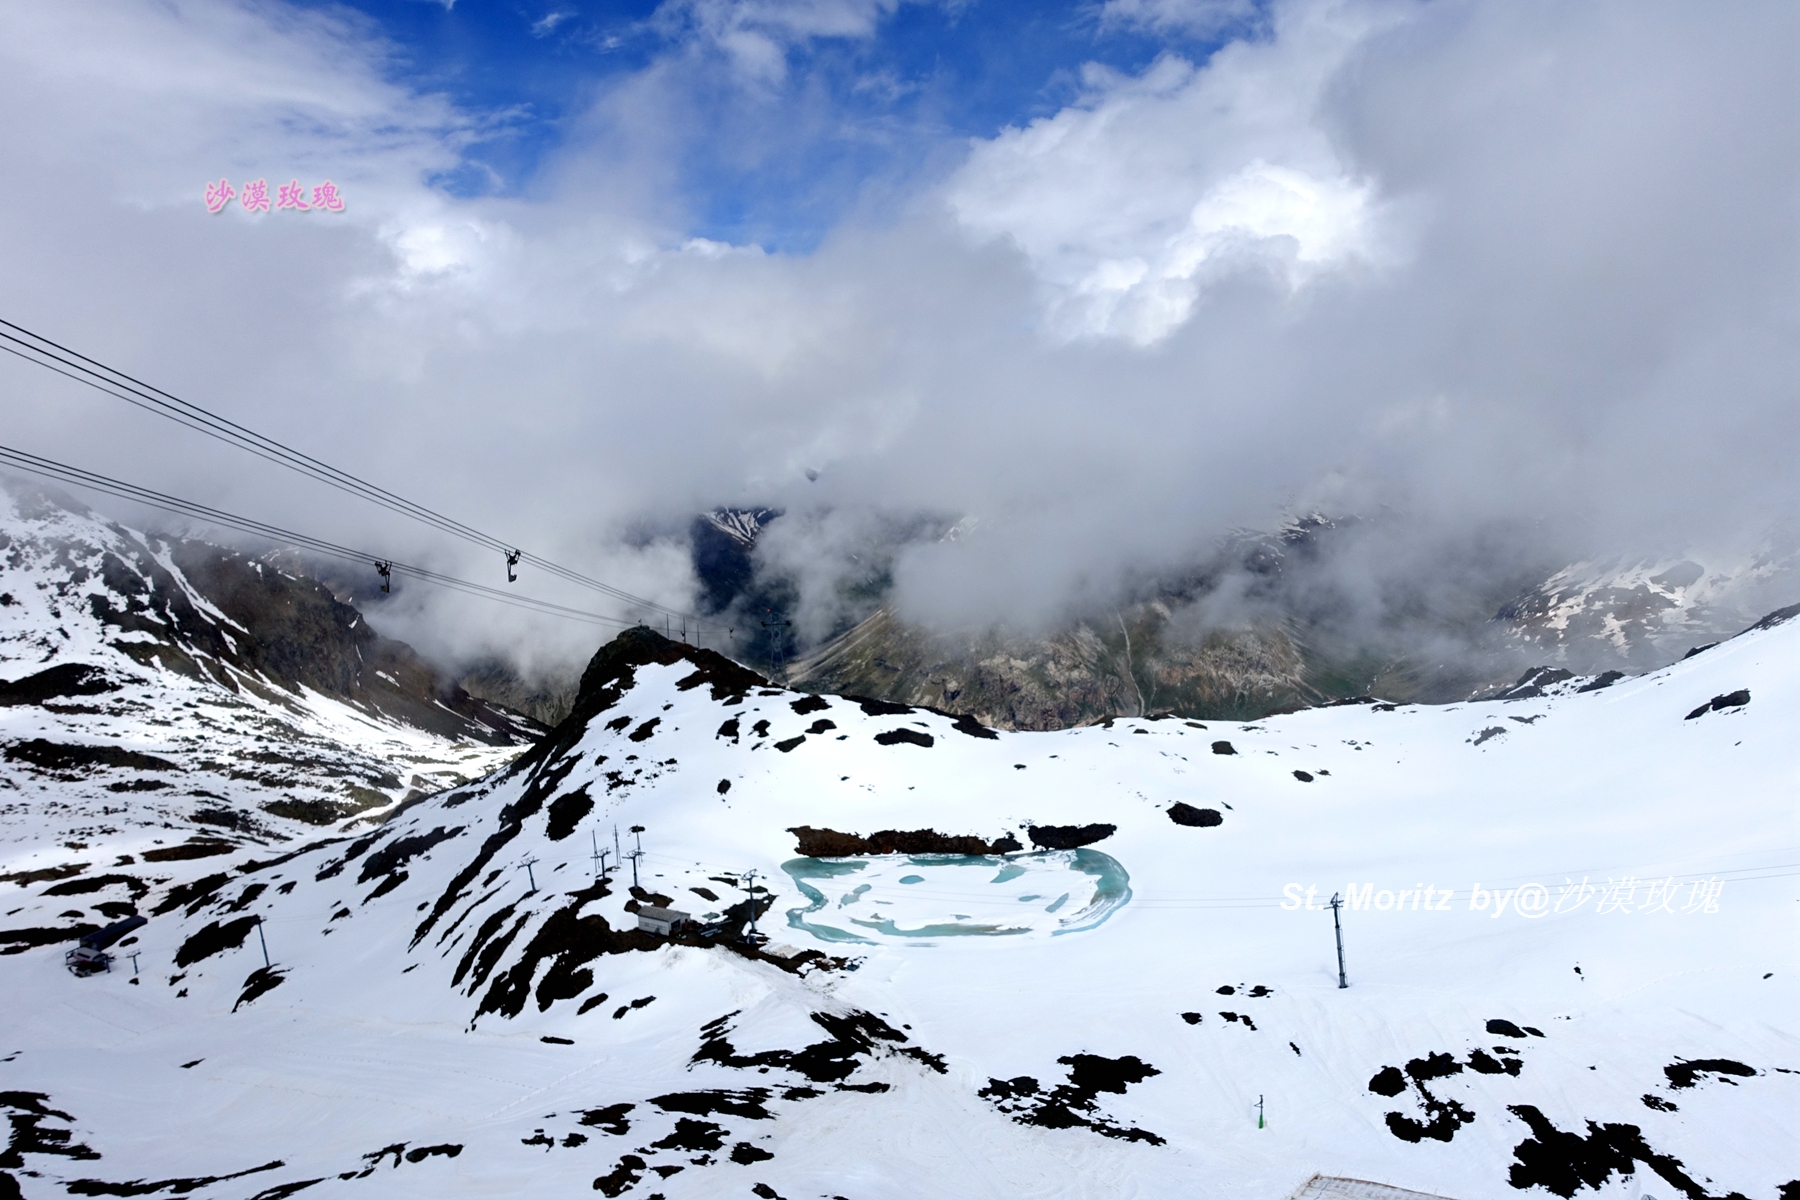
(1337,903)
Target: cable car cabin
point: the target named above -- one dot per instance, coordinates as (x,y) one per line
(89,957)
(663,921)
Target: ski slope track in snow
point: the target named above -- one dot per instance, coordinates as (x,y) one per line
(1569,946)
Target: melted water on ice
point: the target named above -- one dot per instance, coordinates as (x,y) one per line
(905,898)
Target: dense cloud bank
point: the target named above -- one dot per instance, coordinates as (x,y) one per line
(1517,276)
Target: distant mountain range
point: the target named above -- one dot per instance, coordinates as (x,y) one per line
(1293,639)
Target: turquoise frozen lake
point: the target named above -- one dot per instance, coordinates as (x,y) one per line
(902,898)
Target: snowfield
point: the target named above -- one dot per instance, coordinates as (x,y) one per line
(1570,952)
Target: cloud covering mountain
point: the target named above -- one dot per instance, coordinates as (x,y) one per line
(1518,266)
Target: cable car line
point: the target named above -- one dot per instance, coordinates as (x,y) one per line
(88,371)
(50,468)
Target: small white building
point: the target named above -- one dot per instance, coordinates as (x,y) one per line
(663,921)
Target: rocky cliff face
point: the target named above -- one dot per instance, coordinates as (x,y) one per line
(545,698)
(1084,672)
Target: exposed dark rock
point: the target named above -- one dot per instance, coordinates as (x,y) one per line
(829,843)
(260,982)
(612,672)
(569,941)
(749,1103)
(853,1036)
(193,894)
(911,737)
(214,938)
(54,756)
(969,725)
(94,883)
(1443,1117)
(1433,1066)
(52,683)
(396,854)
(1607,678)
(610,1119)
(879,708)
(1069,837)
(567,811)
(308,812)
(1562,1163)
(141,1187)
(61,871)
(1072,1105)
(1533,682)
(1487,1064)
(694,1136)
(1778,617)
(1223,748)
(1684,1073)
(810,704)
(1735,699)
(1199,817)
(621,1177)
(26,1113)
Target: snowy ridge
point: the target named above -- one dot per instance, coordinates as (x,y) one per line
(1565,945)
(135,713)
(1617,613)
(741,525)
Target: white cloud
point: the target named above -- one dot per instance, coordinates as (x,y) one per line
(1200,17)
(1128,200)
(1513,259)
(756,35)
(546,25)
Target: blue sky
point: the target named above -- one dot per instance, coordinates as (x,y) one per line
(852,110)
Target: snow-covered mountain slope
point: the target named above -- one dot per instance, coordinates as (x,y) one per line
(1641,614)
(1569,945)
(172,702)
